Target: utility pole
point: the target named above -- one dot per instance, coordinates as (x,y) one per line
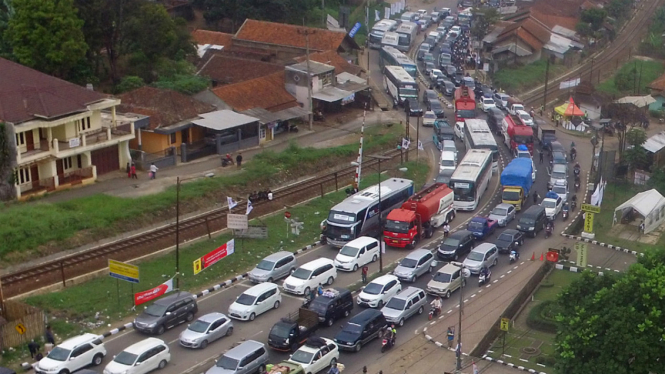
(547,75)
(407,110)
(591,73)
(177,233)
(417,138)
(639,83)
(307,33)
(458,350)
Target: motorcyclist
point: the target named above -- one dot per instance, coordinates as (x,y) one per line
(573,153)
(436,304)
(484,271)
(577,168)
(515,254)
(550,225)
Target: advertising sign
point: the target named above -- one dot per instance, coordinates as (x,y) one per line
(153,293)
(213,257)
(581,249)
(588,222)
(236,221)
(123,271)
(590,208)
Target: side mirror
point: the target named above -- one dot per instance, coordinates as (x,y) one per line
(168,313)
(517,243)
(138,363)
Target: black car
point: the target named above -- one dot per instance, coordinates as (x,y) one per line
(509,240)
(360,330)
(429,96)
(167,312)
(443,129)
(458,78)
(333,306)
(448,88)
(437,108)
(495,118)
(457,244)
(415,109)
(444,176)
(449,70)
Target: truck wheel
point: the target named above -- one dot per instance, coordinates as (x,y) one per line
(412,245)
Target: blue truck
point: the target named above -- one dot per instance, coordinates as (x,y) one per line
(516,182)
(482,227)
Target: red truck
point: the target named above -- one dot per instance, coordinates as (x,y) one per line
(515,133)
(419,216)
(465,104)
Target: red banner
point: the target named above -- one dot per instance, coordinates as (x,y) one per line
(213,257)
(153,293)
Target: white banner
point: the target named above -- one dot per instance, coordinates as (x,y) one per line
(249,207)
(420,146)
(402,5)
(386,13)
(377,16)
(569,84)
(393,9)
(405,143)
(232,204)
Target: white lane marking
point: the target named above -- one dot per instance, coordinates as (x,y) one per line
(474,295)
(488,286)
(450,311)
(496,280)
(440,317)
(431,323)
(503,275)
(509,271)
(466,300)
(479,291)
(515,267)
(415,332)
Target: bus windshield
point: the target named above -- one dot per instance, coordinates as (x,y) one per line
(411,69)
(464,191)
(523,139)
(341,217)
(408,92)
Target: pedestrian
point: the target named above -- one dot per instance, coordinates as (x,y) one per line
(49,335)
(446,229)
(133,171)
(33,347)
(642,227)
(451,336)
(540,155)
(535,197)
(269,195)
(542,108)
(319,290)
(363,273)
(239,159)
(312,294)
(153,171)
(129,175)
(364,369)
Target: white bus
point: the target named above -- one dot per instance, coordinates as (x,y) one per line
(471,178)
(390,39)
(390,56)
(399,84)
(378,30)
(407,35)
(477,135)
(358,215)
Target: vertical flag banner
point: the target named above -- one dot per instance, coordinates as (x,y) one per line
(405,143)
(377,16)
(232,204)
(386,13)
(420,146)
(249,207)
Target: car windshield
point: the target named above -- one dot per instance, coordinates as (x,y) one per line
(350,251)
(466,113)
(125,358)
(488,101)
(408,263)
(500,211)
(510,196)
(525,117)
(397,226)
(156,310)
(424,47)
(397,304)
(352,328)
(435,105)
(443,277)
(265,265)
(199,326)
(443,178)
(451,242)
(302,357)
(505,238)
(559,190)
(319,305)
(558,175)
(527,221)
(475,256)
(473,225)
(448,163)
(283,330)
(59,354)
(373,289)
(430,116)
(301,273)
(246,299)
(227,363)
(548,203)
(523,139)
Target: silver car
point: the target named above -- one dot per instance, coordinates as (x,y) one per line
(206,329)
(417,263)
(276,266)
(404,305)
(558,174)
(503,214)
(484,255)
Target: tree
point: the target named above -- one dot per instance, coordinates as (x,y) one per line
(583,28)
(129,83)
(46,35)
(636,136)
(614,325)
(6,13)
(484,19)
(7,162)
(594,16)
(636,156)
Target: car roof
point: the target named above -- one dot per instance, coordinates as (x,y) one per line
(171,298)
(361,241)
(503,205)
(278,256)
(483,247)
(418,253)
(449,268)
(446,172)
(316,263)
(460,234)
(431,92)
(260,288)
(522,112)
(407,292)
(239,352)
(559,166)
(211,317)
(384,279)
(510,231)
(145,344)
(312,349)
(78,340)
(364,316)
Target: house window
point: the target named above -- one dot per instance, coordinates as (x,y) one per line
(262,132)
(326,79)
(172,138)
(20,139)
(23,175)
(67,163)
(83,124)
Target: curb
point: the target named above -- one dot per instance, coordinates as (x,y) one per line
(577,269)
(518,367)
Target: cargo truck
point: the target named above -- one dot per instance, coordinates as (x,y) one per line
(419,216)
(293,330)
(546,137)
(514,134)
(516,181)
(465,105)
(514,104)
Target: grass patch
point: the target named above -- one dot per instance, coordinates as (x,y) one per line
(554,283)
(632,73)
(43,228)
(520,78)
(76,306)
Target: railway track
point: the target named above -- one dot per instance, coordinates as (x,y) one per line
(63,269)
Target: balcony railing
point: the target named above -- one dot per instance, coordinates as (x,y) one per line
(75,176)
(102,135)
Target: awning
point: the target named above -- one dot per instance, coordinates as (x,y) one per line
(291,113)
(263,115)
(167,130)
(655,143)
(638,101)
(331,94)
(223,120)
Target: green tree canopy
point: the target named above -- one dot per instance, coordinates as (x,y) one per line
(484,19)
(46,35)
(594,16)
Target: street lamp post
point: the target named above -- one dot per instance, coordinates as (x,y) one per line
(458,350)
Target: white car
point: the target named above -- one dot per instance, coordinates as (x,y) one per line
(456,29)
(525,118)
(552,207)
(560,188)
(140,358)
(256,300)
(73,354)
(487,103)
(377,293)
(316,355)
(310,275)
(459,130)
(429,118)
(357,253)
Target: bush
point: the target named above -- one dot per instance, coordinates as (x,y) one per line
(656,113)
(541,317)
(546,360)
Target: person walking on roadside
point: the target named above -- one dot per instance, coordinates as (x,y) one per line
(535,197)
(133,171)
(540,155)
(153,171)
(129,175)
(239,160)
(49,335)
(451,336)
(363,273)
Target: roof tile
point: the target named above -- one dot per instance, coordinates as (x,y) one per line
(658,84)
(226,69)
(212,37)
(332,58)
(267,92)
(289,35)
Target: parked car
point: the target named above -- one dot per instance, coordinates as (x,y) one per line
(167,312)
(248,357)
(255,301)
(275,266)
(360,330)
(509,240)
(456,245)
(415,264)
(73,354)
(140,358)
(484,255)
(404,305)
(357,253)
(310,275)
(446,280)
(206,329)
(379,291)
(316,355)
(503,214)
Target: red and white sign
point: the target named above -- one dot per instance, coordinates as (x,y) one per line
(153,293)
(211,258)
(287,214)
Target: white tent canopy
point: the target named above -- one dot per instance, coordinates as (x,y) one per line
(638,101)
(649,204)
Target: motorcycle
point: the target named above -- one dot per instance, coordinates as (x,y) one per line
(564,212)
(484,278)
(386,344)
(434,312)
(548,231)
(573,155)
(293,128)
(577,184)
(226,162)
(573,205)
(514,256)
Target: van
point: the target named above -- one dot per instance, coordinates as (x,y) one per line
(140,358)
(459,130)
(255,301)
(435,35)
(449,21)
(449,146)
(405,305)
(484,255)
(334,304)
(167,312)
(311,275)
(408,17)
(448,161)
(532,221)
(356,253)
(446,280)
(360,330)
(248,357)
(415,264)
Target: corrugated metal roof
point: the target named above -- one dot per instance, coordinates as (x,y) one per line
(655,143)
(223,119)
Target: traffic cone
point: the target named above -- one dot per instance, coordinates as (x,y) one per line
(541,257)
(533,256)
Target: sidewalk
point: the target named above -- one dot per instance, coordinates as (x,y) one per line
(117,183)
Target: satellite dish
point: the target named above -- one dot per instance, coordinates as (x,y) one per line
(466,272)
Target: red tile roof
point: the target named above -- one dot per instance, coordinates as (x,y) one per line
(225,69)
(332,58)
(165,107)
(27,94)
(266,92)
(289,35)
(551,20)
(212,37)
(658,84)
(530,31)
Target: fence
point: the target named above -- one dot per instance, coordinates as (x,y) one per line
(161,159)
(196,150)
(18,313)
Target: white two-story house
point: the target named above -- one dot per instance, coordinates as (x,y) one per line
(65,134)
